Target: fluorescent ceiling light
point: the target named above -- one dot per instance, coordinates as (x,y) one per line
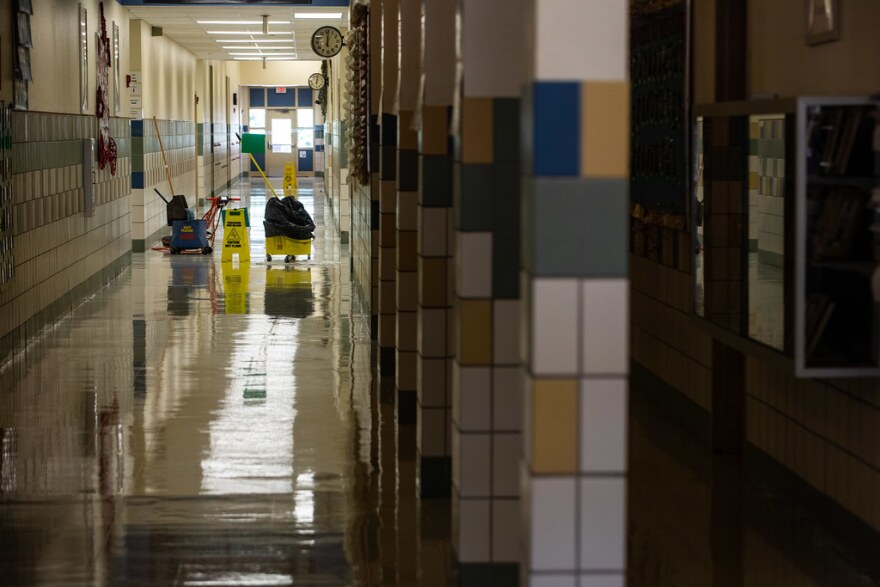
(252,40)
(241,22)
(260,54)
(257,33)
(263,48)
(266,58)
(318,15)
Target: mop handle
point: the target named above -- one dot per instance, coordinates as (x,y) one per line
(164,159)
(257,165)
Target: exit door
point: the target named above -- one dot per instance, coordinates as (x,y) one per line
(290,137)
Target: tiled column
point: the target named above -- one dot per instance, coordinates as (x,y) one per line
(575,294)
(407,209)
(373,162)
(434,245)
(388,186)
(487,374)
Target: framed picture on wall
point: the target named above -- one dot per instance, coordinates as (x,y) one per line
(823,21)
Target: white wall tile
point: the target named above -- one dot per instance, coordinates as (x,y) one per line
(473,530)
(506,331)
(603,523)
(473,262)
(473,464)
(491,68)
(554,327)
(604,423)
(605,334)
(506,456)
(577,40)
(507,398)
(552,581)
(553,524)
(472,397)
(603,580)
(506,530)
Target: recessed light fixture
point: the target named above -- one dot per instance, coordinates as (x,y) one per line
(326,15)
(240,22)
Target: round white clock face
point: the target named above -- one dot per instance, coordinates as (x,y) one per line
(327,41)
(316,81)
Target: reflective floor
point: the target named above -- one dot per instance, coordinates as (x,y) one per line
(205,423)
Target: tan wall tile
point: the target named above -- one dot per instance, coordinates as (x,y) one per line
(476,332)
(554,426)
(605,117)
(477,127)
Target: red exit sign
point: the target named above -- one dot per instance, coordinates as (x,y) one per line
(280,90)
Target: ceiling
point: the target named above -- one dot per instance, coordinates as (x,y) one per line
(292,41)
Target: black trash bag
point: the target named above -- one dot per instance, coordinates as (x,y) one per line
(288,217)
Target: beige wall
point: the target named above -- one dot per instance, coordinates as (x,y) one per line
(780,61)
(167,73)
(55,59)
(278,73)
(222,101)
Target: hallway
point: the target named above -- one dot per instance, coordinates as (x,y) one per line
(212,426)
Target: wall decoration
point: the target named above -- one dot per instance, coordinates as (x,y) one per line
(357,87)
(22,73)
(83,58)
(659,74)
(115,66)
(823,21)
(106,144)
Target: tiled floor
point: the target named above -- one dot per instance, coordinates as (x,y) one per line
(195,423)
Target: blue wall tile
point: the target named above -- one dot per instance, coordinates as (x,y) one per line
(557,129)
(137,180)
(137,128)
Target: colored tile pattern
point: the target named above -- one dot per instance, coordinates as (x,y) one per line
(575,301)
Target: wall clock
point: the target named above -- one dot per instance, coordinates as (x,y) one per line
(327,41)
(316,81)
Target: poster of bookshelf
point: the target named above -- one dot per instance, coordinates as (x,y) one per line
(839,239)
(658,54)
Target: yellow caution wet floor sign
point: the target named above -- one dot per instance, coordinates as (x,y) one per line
(235,235)
(235,286)
(290,186)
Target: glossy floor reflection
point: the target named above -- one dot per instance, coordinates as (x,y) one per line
(703,521)
(205,423)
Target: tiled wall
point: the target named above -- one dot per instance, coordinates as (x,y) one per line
(487,382)
(575,295)
(226,159)
(435,237)
(407,303)
(149,219)
(387,134)
(767,187)
(60,254)
(725,143)
(336,176)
